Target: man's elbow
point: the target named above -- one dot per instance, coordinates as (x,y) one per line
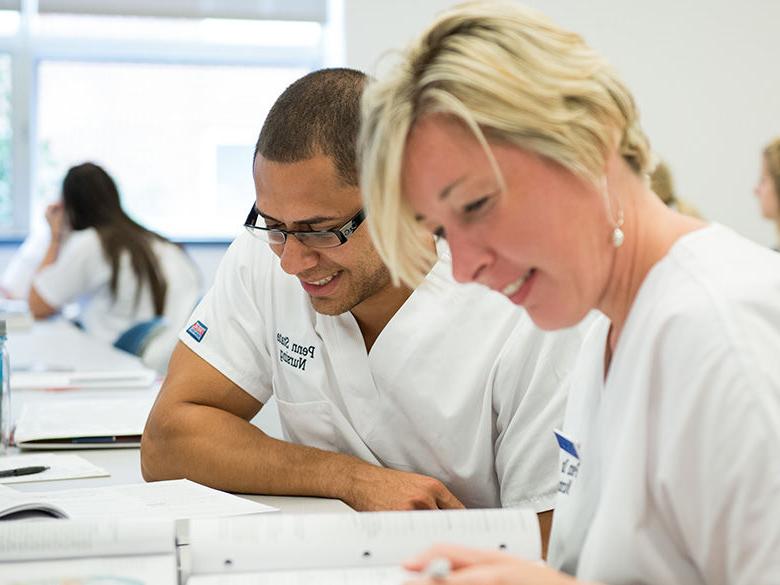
(156,443)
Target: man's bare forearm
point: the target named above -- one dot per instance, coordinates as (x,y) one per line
(222,450)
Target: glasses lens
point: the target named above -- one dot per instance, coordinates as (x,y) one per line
(272,237)
(318,239)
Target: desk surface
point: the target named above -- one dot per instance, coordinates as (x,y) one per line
(58,344)
(124,465)
(69,347)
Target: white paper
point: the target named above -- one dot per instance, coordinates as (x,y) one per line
(16,314)
(176,499)
(149,570)
(370,576)
(43,422)
(58,539)
(373,539)
(70,552)
(72,379)
(60,467)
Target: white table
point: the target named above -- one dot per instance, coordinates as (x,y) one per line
(124,465)
(59,343)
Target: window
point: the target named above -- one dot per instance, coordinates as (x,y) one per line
(168,96)
(6,200)
(178,139)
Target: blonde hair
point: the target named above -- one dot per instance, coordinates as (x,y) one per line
(662,184)
(509,75)
(772,158)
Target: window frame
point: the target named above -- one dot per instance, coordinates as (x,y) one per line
(27,50)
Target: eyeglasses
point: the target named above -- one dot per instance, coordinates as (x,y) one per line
(314,239)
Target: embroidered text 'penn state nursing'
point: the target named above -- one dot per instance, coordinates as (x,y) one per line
(197,330)
(570,462)
(287,349)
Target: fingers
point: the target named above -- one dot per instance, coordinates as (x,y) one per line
(459,556)
(477,575)
(481,567)
(446,501)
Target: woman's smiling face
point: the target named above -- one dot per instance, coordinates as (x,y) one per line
(542,239)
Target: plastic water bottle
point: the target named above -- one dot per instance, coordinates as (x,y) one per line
(5,390)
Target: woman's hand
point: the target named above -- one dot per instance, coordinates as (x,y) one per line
(482,567)
(55,217)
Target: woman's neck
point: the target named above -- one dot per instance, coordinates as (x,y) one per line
(650,229)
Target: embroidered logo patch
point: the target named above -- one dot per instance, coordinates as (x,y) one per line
(197,330)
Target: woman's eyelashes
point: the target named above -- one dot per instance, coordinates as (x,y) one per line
(470,211)
(481,204)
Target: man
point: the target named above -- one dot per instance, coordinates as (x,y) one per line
(391,399)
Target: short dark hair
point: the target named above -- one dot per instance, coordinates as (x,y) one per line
(318,114)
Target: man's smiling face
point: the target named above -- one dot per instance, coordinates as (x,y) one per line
(309,195)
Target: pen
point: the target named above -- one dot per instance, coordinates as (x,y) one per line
(438,569)
(22,471)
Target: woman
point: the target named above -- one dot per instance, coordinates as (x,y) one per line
(768,188)
(662,184)
(515,141)
(121,273)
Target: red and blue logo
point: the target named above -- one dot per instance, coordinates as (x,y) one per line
(197,330)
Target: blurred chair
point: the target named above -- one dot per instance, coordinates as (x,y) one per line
(136,339)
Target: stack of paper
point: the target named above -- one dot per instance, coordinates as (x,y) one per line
(106,551)
(16,314)
(82,423)
(67,379)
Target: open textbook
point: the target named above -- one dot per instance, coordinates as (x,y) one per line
(342,549)
(16,313)
(173,500)
(48,378)
(82,423)
(108,552)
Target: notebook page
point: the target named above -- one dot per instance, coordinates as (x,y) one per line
(369,576)
(60,467)
(353,540)
(141,570)
(175,499)
(57,539)
(63,378)
(82,418)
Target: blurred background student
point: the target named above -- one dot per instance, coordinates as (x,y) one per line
(120,273)
(768,188)
(17,276)
(662,183)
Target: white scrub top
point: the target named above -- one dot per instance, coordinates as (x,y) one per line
(82,273)
(678,475)
(20,271)
(460,385)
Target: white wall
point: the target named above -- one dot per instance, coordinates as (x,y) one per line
(705,73)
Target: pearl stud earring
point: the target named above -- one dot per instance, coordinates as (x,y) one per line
(617,234)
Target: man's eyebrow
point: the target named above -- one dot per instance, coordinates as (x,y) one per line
(305,221)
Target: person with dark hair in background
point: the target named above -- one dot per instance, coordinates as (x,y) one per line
(120,272)
(389,398)
(768,188)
